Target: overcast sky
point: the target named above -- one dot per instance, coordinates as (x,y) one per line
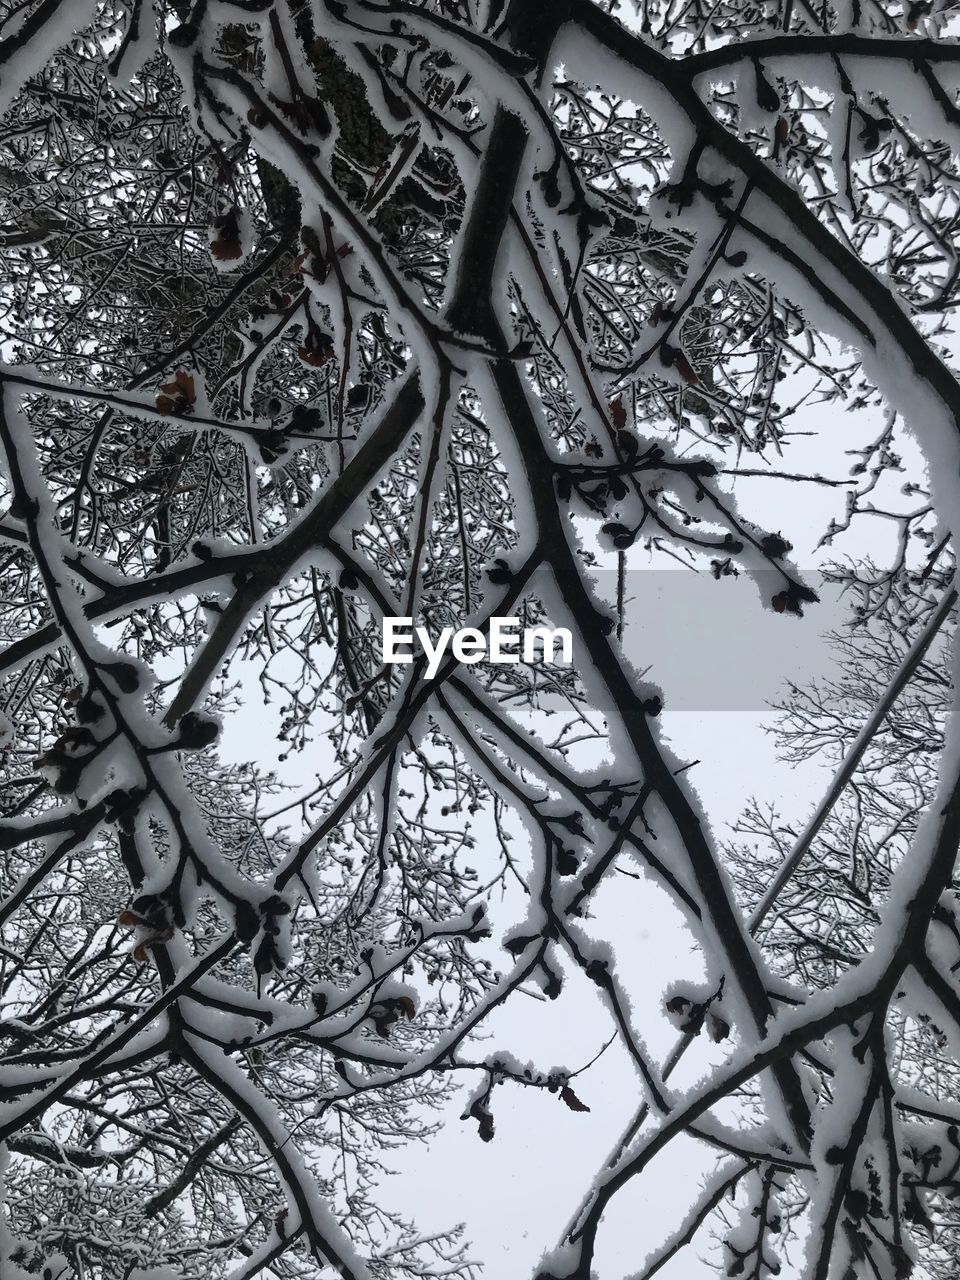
(720,658)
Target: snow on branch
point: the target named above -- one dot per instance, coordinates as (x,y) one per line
(321,316)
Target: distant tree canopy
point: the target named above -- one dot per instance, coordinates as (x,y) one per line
(320,312)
